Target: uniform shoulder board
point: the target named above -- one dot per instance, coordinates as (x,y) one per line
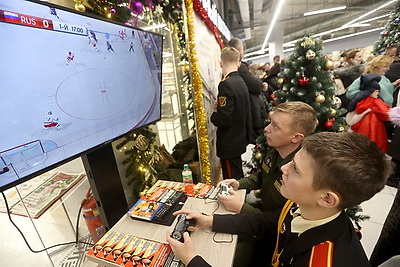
(322,255)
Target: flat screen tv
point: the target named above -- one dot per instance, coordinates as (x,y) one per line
(70,83)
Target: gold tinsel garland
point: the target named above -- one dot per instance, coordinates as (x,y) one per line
(198,97)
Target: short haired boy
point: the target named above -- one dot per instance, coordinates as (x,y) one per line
(322,183)
(232,116)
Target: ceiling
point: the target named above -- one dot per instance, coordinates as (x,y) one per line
(249,20)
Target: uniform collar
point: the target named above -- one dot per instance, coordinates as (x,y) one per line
(299,225)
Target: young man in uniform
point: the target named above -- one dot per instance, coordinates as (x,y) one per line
(290,123)
(323,184)
(232,116)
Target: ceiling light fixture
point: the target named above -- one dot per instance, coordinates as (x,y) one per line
(369,13)
(353,34)
(324,11)
(273,21)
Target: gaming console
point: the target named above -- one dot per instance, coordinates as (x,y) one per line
(181,226)
(225,189)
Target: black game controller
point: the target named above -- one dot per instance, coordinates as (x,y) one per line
(225,189)
(181,226)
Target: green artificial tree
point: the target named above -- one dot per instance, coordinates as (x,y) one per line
(390,35)
(143,162)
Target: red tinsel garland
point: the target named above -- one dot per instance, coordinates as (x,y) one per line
(198,7)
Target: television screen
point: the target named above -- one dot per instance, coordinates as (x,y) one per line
(69,83)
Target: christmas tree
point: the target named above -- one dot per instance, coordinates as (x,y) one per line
(143,162)
(390,35)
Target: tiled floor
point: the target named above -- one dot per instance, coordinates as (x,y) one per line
(54,228)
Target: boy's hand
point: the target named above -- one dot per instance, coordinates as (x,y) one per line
(202,221)
(233,202)
(232,182)
(184,251)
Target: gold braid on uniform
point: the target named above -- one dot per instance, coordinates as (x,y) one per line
(200,113)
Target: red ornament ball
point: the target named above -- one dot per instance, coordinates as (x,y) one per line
(328,125)
(332,120)
(271,96)
(303,81)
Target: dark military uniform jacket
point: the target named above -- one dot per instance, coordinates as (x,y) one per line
(233,117)
(269,181)
(333,244)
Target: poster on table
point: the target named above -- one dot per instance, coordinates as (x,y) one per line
(208,55)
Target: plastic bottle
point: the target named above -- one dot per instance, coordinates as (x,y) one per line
(187,177)
(187,180)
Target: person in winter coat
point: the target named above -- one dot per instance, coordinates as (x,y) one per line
(255,86)
(374,110)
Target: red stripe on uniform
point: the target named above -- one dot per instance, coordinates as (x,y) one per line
(228,169)
(322,255)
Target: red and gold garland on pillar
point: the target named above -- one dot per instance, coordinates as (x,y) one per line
(200,113)
(198,7)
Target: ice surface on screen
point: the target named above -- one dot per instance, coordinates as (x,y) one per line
(69,83)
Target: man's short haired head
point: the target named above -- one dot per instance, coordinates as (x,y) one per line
(236,43)
(391,50)
(348,164)
(304,117)
(230,55)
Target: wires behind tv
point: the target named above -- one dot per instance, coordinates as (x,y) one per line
(76,242)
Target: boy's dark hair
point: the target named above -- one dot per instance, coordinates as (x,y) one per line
(349,164)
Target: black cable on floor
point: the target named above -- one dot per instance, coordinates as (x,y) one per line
(26,241)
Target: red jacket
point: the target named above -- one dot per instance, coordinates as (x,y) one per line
(372,124)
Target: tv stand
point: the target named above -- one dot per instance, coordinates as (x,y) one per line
(104,179)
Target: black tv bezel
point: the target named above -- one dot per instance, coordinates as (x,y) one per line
(66,160)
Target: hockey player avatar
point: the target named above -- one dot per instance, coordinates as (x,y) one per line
(109,47)
(70,57)
(122,34)
(131,48)
(53,12)
(93,36)
(51,122)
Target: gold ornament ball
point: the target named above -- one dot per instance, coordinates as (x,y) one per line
(333,112)
(80,7)
(320,99)
(186,68)
(258,155)
(329,65)
(280,81)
